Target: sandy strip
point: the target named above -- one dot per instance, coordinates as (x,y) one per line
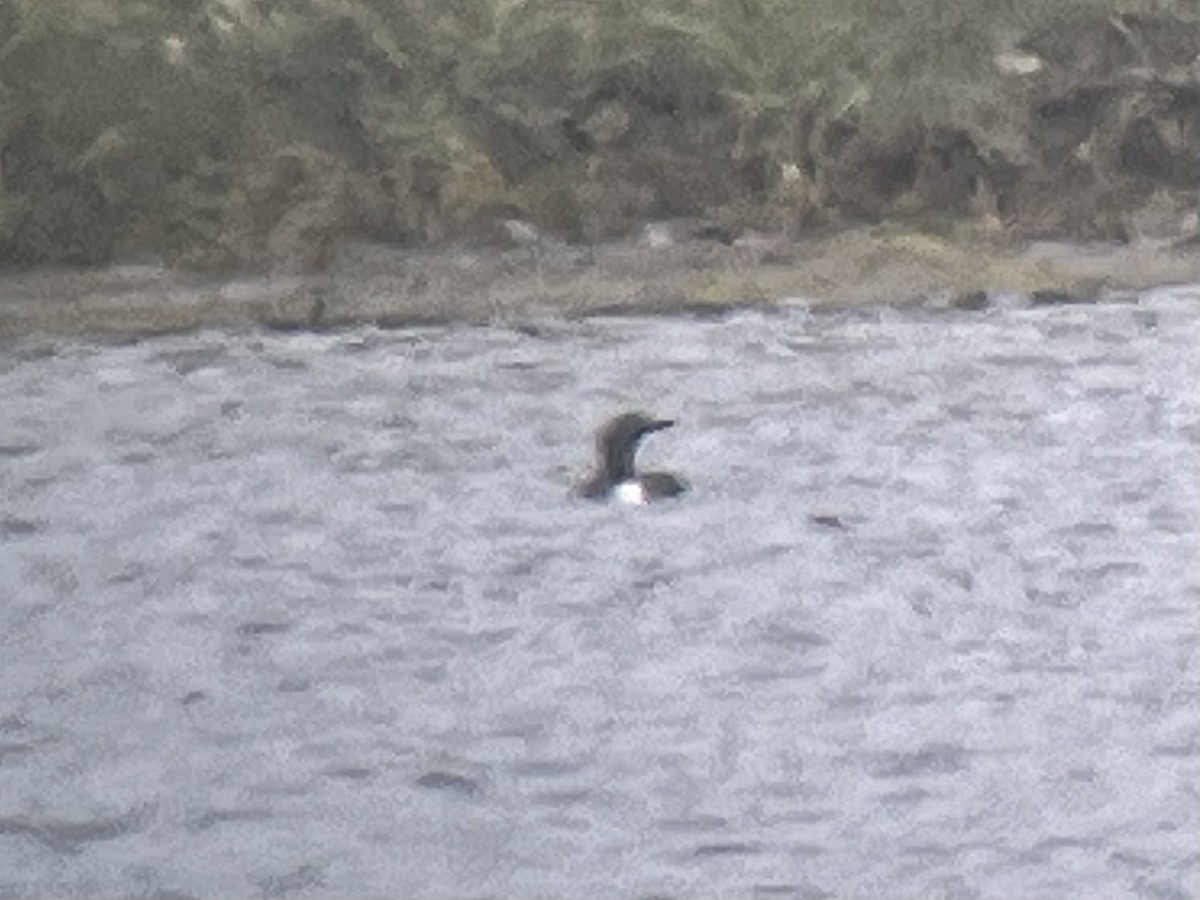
(395,287)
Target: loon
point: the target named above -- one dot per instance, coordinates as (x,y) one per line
(615,477)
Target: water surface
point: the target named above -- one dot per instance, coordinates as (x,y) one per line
(314,615)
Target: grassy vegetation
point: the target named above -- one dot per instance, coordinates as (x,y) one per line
(256,133)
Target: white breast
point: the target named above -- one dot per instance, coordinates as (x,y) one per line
(630,492)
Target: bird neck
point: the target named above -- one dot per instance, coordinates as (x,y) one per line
(618,461)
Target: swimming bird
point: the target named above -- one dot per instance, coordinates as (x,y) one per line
(615,476)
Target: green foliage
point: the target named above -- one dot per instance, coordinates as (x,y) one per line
(196,128)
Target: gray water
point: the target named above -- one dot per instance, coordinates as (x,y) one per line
(314,615)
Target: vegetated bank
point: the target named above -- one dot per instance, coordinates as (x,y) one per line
(255,136)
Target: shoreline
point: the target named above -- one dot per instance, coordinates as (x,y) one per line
(391,287)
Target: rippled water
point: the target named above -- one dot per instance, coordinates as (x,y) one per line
(314,616)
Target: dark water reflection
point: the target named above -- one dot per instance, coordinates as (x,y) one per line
(313,615)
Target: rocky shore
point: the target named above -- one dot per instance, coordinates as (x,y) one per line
(660,273)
